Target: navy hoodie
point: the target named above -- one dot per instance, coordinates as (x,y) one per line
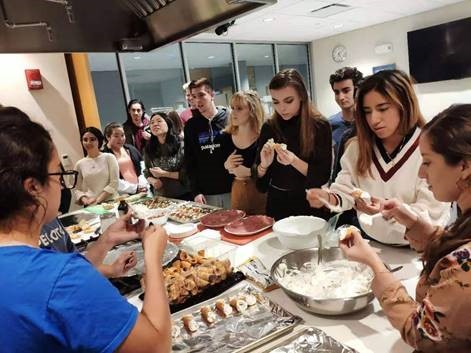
(204,155)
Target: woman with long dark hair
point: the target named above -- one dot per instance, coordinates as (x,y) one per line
(98,172)
(383,161)
(163,158)
(295,149)
(134,126)
(58,302)
(437,321)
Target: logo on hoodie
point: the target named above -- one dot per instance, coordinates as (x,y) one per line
(206,140)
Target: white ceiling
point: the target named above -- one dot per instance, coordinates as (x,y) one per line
(293,20)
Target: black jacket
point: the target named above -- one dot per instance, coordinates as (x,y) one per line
(204,155)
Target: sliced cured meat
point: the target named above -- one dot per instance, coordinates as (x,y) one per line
(249,225)
(221,218)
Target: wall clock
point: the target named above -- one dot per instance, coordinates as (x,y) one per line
(339,53)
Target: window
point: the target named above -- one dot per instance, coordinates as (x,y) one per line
(256,69)
(213,61)
(295,56)
(108,89)
(156,78)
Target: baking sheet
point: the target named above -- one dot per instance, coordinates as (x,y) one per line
(207,209)
(309,340)
(238,332)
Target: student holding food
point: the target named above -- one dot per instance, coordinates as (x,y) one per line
(383,161)
(295,149)
(437,320)
(57,302)
(240,142)
(163,158)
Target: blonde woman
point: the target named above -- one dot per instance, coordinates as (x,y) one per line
(240,141)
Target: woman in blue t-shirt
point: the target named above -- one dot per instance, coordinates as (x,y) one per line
(58,302)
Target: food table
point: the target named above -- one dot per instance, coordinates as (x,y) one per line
(367,330)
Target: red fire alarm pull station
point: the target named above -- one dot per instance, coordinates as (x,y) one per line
(33,79)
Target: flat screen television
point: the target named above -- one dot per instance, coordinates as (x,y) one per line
(440,52)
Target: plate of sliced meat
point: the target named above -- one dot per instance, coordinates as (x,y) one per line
(249,225)
(221,218)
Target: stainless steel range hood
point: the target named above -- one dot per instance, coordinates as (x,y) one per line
(110,25)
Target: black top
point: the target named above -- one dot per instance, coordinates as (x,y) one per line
(287,177)
(249,154)
(204,156)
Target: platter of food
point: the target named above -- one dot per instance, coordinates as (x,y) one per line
(249,225)
(191,212)
(161,202)
(236,321)
(82,227)
(221,218)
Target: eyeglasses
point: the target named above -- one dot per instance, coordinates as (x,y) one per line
(68,178)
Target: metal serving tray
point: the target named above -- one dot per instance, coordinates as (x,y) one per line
(309,340)
(238,332)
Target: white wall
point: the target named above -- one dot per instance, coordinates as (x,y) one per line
(52,106)
(360,45)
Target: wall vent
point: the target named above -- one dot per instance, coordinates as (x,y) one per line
(330,10)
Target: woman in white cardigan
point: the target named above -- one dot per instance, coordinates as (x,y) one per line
(383,161)
(98,172)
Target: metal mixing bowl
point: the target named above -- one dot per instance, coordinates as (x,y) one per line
(319,306)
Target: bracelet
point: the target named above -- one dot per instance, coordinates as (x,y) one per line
(262,167)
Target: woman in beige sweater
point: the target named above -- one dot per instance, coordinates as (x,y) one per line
(437,321)
(98,172)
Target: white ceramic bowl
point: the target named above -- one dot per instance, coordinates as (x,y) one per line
(299,232)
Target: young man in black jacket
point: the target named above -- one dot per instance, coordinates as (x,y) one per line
(204,158)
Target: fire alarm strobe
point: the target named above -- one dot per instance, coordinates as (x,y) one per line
(33,79)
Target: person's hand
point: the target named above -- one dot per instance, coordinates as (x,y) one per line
(317,198)
(158,172)
(200,199)
(154,242)
(355,248)
(141,188)
(241,172)
(145,135)
(396,209)
(123,230)
(88,201)
(156,183)
(125,261)
(374,207)
(284,156)
(267,154)
(233,161)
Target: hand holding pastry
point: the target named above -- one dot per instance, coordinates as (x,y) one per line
(396,210)
(372,208)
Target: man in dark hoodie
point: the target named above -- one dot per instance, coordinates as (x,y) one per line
(204,158)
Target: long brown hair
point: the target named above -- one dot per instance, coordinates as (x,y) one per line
(397,87)
(256,114)
(308,113)
(449,134)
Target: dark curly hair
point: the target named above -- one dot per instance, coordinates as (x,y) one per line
(346,73)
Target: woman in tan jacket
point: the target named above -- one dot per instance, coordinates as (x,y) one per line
(438,320)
